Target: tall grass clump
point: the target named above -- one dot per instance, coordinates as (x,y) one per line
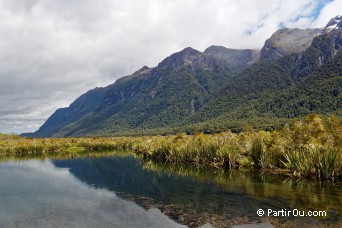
(257,152)
(308,147)
(300,163)
(327,163)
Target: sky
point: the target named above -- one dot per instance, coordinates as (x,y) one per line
(52,51)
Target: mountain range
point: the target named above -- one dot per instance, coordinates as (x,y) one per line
(297,72)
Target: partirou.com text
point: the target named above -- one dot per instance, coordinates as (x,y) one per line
(292,212)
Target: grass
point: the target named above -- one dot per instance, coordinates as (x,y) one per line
(310,148)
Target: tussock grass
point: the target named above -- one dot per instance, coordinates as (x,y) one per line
(309,148)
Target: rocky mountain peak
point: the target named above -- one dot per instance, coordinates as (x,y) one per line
(142,70)
(335,23)
(236,59)
(189,51)
(187,57)
(294,40)
(288,41)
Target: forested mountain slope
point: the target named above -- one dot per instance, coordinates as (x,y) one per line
(216,90)
(151,97)
(271,91)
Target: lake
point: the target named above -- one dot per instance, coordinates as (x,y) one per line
(122,191)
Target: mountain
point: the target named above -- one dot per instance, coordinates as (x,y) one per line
(287,41)
(236,59)
(149,98)
(270,92)
(80,107)
(297,72)
(335,23)
(294,40)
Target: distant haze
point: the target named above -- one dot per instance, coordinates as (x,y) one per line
(53,51)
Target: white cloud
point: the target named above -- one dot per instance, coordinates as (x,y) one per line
(331,10)
(53,51)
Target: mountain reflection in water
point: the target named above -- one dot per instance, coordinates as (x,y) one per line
(37,194)
(91,191)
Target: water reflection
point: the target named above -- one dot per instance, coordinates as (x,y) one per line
(37,194)
(197,190)
(279,190)
(193,195)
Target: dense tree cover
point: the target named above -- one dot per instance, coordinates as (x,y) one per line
(268,93)
(150,98)
(192,91)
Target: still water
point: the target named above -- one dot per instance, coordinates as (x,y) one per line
(122,191)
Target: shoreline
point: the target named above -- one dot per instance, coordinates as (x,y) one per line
(309,148)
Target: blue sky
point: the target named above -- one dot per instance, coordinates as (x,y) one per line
(320,5)
(53,51)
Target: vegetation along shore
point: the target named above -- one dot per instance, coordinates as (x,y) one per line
(308,148)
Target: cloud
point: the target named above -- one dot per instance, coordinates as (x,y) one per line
(330,10)
(53,51)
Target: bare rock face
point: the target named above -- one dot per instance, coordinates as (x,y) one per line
(294,40)
(236,59)
(287,41)
(190,57)
(334,31)
(335,23)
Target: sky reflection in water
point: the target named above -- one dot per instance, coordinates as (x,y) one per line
(91,192)
(37,194)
